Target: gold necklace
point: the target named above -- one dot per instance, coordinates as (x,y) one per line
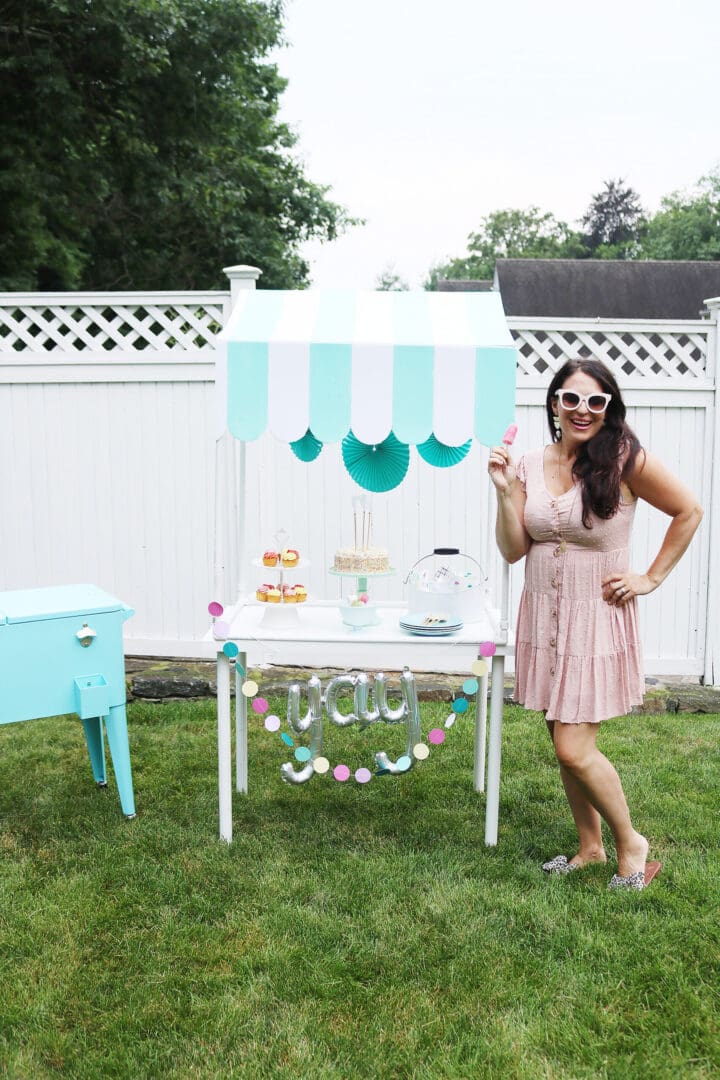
(562,546)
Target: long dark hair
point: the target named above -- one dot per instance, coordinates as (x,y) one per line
(608,458)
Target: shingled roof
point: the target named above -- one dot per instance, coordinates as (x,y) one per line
(606,288)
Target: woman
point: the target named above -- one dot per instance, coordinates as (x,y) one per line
(569,508)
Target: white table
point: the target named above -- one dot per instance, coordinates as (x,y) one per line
(251,624)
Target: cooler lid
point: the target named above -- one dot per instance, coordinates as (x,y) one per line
(55,602)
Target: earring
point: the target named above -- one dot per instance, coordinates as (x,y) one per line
(556,422)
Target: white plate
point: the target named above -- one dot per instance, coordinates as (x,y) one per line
(431,633)
(418,622)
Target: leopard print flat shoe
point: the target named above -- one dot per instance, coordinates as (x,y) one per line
(631,881)
(559,865)
(639,880)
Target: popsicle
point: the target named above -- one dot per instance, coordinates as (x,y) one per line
(509,436)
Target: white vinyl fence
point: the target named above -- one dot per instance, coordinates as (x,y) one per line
(109,467)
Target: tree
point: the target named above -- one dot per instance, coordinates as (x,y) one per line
(688,224)
(510,234)
(140,147)
(390,281)
(613,222)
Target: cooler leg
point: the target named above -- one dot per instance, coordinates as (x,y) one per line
(96,748)
(117,736)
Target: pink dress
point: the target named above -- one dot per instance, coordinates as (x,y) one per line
(577,658)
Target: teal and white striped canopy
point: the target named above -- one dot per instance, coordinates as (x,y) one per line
(415,364)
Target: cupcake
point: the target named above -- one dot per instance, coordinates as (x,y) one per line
(273,595)
(290,596)
(270,558)
(300,594)
(289,557)
(261,593)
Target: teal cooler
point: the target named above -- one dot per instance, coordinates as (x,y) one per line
(61,651)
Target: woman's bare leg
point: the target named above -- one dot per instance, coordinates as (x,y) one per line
(592,773)
(587,820)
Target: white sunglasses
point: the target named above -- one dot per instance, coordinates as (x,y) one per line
(595,403)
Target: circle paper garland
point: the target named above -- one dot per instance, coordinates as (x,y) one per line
(341,772)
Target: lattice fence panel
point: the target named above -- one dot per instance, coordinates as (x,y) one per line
(653,354)
(139,327)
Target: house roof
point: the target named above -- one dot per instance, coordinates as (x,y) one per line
(605,288)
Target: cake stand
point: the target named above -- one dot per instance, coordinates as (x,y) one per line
(362,587)
(283,613)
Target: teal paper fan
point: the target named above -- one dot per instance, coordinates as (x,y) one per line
(440,455)
(376,467)
(307,448)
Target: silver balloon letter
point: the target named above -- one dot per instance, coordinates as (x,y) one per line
(312,720)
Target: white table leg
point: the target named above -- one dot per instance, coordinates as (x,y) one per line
(481,705)
(492,804)
(241,755)
(224,747)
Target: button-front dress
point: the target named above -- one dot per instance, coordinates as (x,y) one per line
(577,658)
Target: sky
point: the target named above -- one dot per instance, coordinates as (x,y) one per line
(423,118)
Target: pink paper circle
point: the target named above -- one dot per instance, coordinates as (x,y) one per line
(436,736)
(214,608)
(487,648)
(260,704)
(341,773)
(363,776)
(272,723)
(221,628)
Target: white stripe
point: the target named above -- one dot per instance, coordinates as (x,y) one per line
(453,394)
(374,318)
(371,409)
(288,390)
(297,317)
(448,316)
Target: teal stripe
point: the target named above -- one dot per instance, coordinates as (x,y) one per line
(331,365)
(335,319)
(411,319)
(494,393)
(259,315)
(247,389)
(330,385)
(412,416)
(485,315)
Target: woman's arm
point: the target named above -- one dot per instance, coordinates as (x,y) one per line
(651,481)
(511,535)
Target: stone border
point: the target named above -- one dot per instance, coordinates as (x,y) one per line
(160,680)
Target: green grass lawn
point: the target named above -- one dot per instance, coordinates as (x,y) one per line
(351,931)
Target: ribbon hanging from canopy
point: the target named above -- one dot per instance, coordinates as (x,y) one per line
(428,368)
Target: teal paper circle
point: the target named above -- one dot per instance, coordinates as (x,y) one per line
(303,753)
(440,455)
(460,705)
(307,448)
(376,466)
(230,649)
(404,763)
(470,686)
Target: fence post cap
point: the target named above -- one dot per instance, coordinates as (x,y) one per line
(242,272)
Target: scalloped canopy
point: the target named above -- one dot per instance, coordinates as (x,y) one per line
(412,363)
